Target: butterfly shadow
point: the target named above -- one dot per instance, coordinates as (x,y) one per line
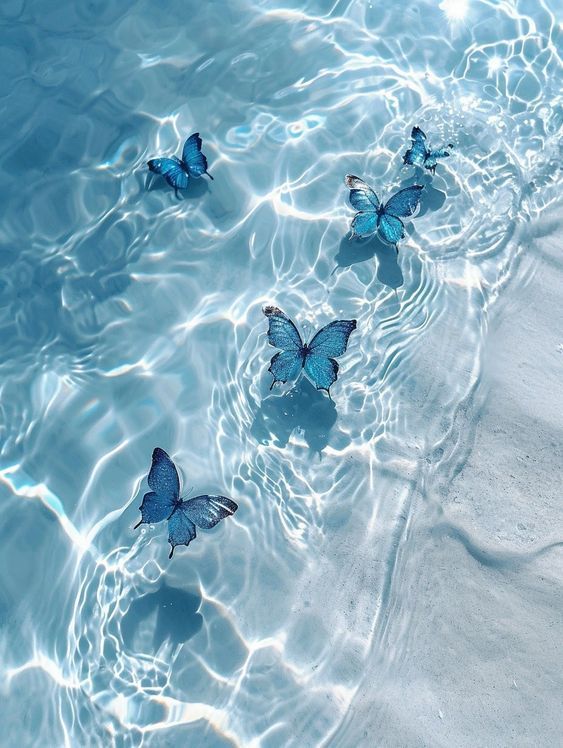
(196,187)
(171,614)
(353,251)
(304,408)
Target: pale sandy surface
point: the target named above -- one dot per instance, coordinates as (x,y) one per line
(481,598)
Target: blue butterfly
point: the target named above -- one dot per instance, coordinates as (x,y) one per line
(317,358)
(164,502)
(421,155)
(177,173)
(384,218)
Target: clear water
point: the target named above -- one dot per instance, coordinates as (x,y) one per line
(131,319)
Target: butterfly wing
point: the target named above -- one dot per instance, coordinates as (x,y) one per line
(283,334)
(416,155)
(329,342)
(323,371)
(391,229)
(194,160)
(206,511)
(172,170)
(404,202)
(363,224)
(332,340)
(163,479)
(285,366)
(364,200)
(362,197)
(181,530)
(433,156)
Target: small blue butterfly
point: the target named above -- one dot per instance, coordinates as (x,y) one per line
(164,502)
(317,358)
(379,217)
(177,173)
(421,155)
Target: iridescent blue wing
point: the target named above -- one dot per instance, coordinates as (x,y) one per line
(391,229)
(364,200)
(332,339)
(163,479)
(206,511)
(323,371)
(433,156)
(194,160)
(283,334)
(329,342)
(416,155)
(172,170)
(181,530)
(363,224)
(404,202)
(285,366)
(362,197)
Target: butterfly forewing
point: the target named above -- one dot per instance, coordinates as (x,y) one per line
(405,202)
(194,160)
(207,510)
(163,476)
(282,333)
(332,339)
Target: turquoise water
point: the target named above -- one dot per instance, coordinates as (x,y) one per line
(131,319)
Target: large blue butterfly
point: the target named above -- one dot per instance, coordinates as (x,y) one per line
(317,358)
(164,502)
(178,172)
(419,154)
(384,218)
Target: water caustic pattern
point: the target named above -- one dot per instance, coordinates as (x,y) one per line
(131,319)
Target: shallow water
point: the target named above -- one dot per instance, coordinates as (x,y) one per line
(131,319)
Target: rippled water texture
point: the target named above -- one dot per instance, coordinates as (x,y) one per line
(130,319)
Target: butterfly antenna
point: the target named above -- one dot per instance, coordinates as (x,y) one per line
(209,175)
(138,523)
(272,385)
(171,553)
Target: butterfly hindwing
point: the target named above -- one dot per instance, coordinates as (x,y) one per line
(172,170)
(391,229)
(285,366)
(322,370)
(404,202)
(364,224)
(181,530)
(194,160)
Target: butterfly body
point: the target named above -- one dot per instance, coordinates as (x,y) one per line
(315,358)
(422,155)
(163,502)
(374,216)
(178,172)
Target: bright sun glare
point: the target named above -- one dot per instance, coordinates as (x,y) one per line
(454,9)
